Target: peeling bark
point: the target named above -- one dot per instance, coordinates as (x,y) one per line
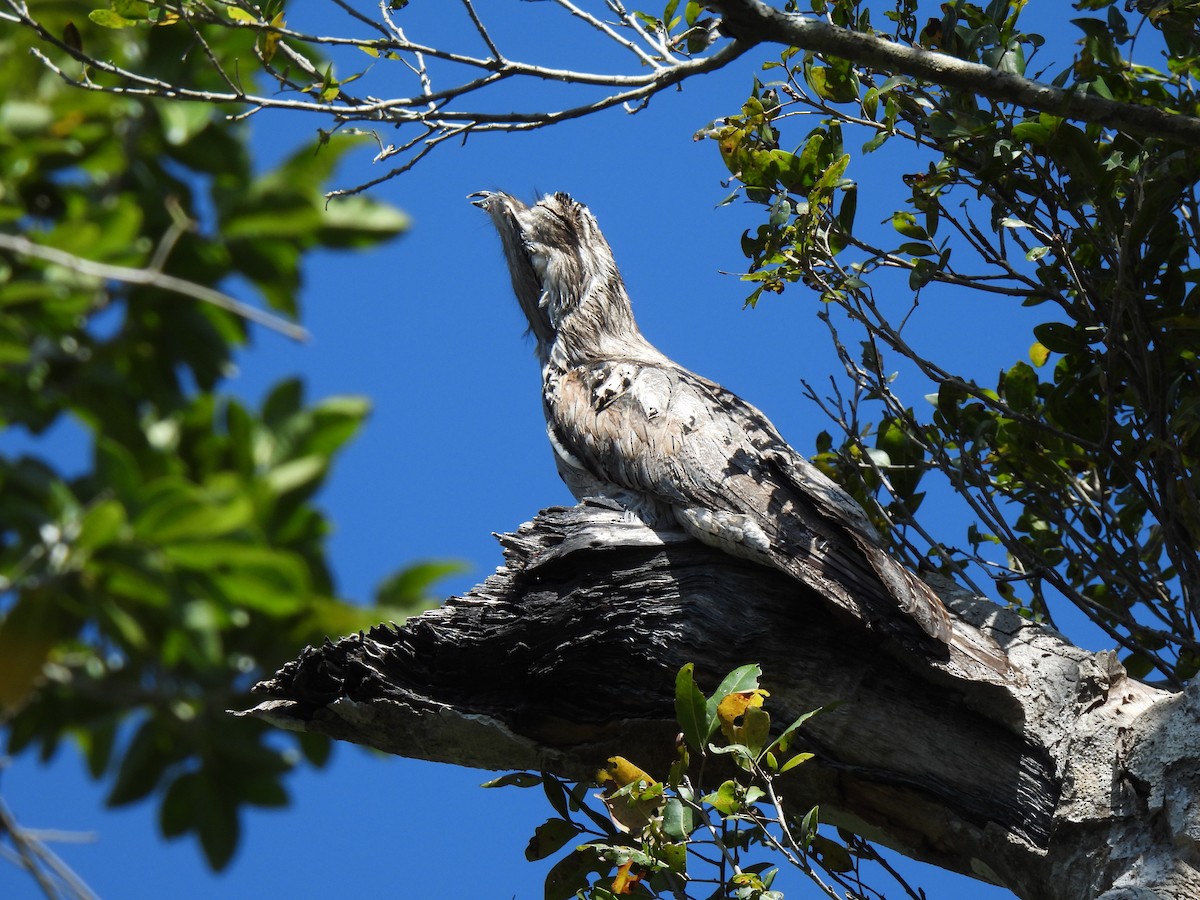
(1064,779)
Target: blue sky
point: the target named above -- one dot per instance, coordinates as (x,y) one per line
(455,450)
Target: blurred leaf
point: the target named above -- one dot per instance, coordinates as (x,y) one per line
(146,758)
(162,576)
(412,586)
(179,512)
(106,18)
(30,629)
(101,525)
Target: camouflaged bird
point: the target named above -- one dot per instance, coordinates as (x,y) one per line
(677,450)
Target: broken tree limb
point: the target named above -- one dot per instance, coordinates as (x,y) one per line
(1065,779)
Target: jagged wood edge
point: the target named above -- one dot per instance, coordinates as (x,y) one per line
(568,654)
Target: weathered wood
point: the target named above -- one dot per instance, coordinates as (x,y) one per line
(1066,779)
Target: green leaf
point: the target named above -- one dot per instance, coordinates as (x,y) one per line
(106,18)
(1138,665)
(906,224)
(784,741)
(905,455)
(317,748)
(1058,337)
(413,585)
(218,827)
(101,525)
(182,122)
(148,756)
(570,874)
(284,401)
(131,9)
(1020,387)
(29,630)
(184,796)
(677,819)
(691,708)
(727,799)
(360,222)
(836,83)
(832,855)
(808,826)
(185,514)
(743,678)
(549,837)
(296,473)
(557,796)
(798,759)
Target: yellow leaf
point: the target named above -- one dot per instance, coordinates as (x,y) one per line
(1038,353)
(240,15)
(30,630)
(270,39)
(633,798)
(735,705)
(624,882)
(743,720)
(621,772)
(370,51)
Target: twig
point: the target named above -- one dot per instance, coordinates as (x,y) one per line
(152,278)
(42,864)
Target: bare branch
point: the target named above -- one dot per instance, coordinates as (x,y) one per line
(152,278)
(29,851)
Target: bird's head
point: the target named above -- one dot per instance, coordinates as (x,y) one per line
(562,268)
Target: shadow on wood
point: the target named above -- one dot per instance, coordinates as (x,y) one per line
(568,655)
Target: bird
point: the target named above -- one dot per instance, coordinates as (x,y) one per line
(679,451)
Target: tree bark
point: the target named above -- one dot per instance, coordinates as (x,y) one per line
(1063,779)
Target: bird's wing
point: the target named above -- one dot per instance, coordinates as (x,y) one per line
(732,481)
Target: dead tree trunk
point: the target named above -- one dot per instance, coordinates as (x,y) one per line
(1068,780)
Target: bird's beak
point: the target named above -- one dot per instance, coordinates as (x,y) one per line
(485,199)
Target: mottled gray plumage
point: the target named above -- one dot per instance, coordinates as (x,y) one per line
(629,424)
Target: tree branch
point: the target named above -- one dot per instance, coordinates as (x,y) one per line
(151,277)
(1055,782)
(754,20)
(441,111)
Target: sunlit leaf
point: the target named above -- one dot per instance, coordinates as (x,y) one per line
(107,18)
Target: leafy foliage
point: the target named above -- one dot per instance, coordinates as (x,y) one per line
(660,838)
(141,597)
(1080,462)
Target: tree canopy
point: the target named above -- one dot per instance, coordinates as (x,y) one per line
(144,594)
